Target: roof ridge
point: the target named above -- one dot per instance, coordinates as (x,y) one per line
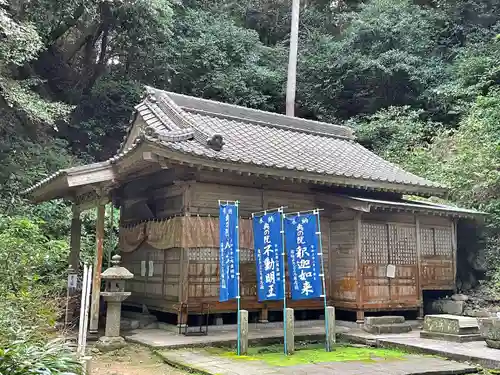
(207,105)
(267,124)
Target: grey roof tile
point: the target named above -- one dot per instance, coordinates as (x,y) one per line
(274,147)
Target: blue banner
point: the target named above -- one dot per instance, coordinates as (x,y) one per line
(228,257)
(268,247)
(302,252)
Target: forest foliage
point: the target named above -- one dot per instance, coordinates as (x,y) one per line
(419,80)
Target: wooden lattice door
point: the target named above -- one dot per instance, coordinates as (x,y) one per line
(386,246)
(403,255)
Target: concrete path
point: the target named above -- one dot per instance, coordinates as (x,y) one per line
(159,338)
(201,361)
(474,352)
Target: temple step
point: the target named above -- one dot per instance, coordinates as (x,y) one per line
(388,328)
(388,319)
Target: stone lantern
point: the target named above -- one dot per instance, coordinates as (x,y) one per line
(114,294)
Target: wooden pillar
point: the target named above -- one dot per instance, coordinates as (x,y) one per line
(419,269)
(184,276)
(360,313)
(96,282)
(75,241)
(454,248)
(264,314)
(182,317)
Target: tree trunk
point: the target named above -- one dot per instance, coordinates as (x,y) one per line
(67,24)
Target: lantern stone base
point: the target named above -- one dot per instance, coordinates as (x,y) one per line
(490,331)
(494,344)
(108,344)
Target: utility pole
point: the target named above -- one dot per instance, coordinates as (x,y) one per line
(292,60)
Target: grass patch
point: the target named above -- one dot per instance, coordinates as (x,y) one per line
(273,355)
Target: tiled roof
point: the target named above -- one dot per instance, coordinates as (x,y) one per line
(421,205)
(82,168)
(65,172)
(271,143)
(285,143)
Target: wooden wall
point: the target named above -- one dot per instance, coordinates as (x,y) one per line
(438,252)
(421,247)
(203,276)
(357,246)
(156,277)
(343,257)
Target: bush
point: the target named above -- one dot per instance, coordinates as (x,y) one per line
(25,357)
(29,260)
(32,278)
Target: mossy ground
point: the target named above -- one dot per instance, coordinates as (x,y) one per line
(273,355)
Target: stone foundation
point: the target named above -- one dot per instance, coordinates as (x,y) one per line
(386,324)
(451,328)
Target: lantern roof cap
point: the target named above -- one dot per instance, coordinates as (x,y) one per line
(117,272)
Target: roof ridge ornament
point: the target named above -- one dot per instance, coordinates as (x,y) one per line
(171,136)
(216,142)
(202,134)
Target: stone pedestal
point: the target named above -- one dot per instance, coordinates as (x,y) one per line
(330,337)
(219,321)
(109,344)
(290,331)
(86,365)
(243,332)
(113,318)
(451,328)
(489,329)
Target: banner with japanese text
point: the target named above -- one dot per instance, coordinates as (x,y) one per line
(302,252)
(268,247)
(228,259)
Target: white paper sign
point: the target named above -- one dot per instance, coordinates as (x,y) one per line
(151,269)
(72,281)
(391,271)
(143,268)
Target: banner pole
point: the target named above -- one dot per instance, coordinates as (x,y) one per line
(316,212)
(238,297)
(282,231)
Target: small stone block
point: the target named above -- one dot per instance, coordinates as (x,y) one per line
(378,320)
(109,344)
(494,344)
(387,328)
(87,365)
(450,337)
(489,329)
(290,331)
(330,338)
(448,306)
(243,332)
(479,313)
(451,324)
(460,297)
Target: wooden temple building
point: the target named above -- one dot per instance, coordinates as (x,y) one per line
(182,154)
